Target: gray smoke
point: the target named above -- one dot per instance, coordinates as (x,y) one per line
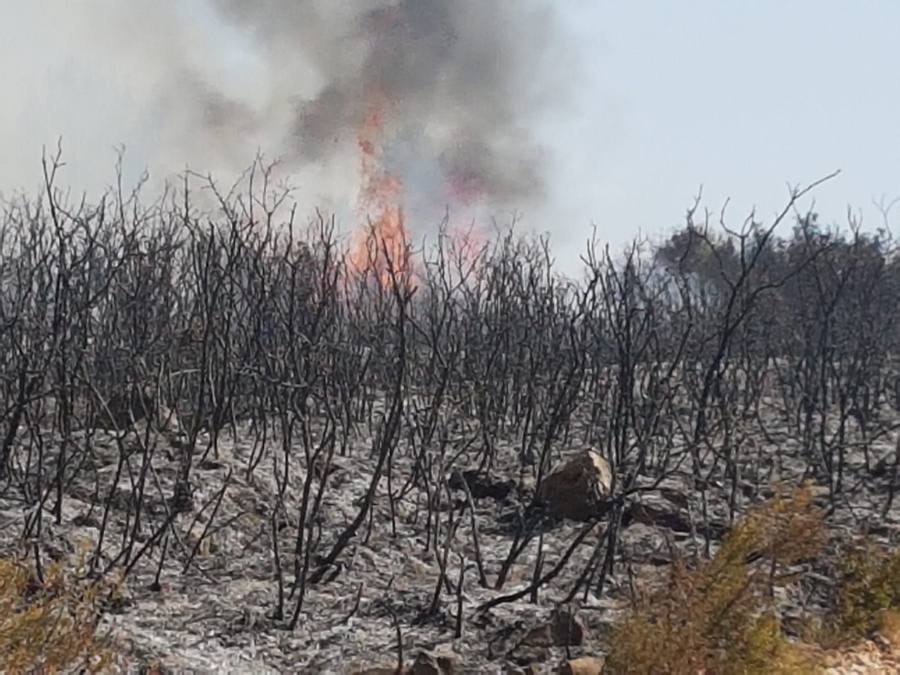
(457,76)
(207,84)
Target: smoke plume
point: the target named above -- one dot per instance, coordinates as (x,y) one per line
(210,83)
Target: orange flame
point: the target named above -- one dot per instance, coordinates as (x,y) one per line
(382,246)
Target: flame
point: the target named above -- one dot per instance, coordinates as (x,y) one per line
(382,244)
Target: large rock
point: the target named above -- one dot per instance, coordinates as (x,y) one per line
(579,488)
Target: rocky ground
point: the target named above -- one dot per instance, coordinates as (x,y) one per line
(215,613)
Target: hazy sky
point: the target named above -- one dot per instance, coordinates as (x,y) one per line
(741,97)
(649,100)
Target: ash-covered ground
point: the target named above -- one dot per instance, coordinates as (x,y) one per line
(214,606)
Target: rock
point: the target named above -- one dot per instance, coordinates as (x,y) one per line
(528,661)
(86,520)
(884,467)
(481,485)
(586,665)
(564,629)
(210,465)
(671,519)
(432,663)
(579,488)
(675,497)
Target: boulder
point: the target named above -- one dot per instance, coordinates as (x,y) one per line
(579,488)
(564,629)
(434,663)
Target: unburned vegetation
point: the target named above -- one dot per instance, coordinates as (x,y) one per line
(242,450)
